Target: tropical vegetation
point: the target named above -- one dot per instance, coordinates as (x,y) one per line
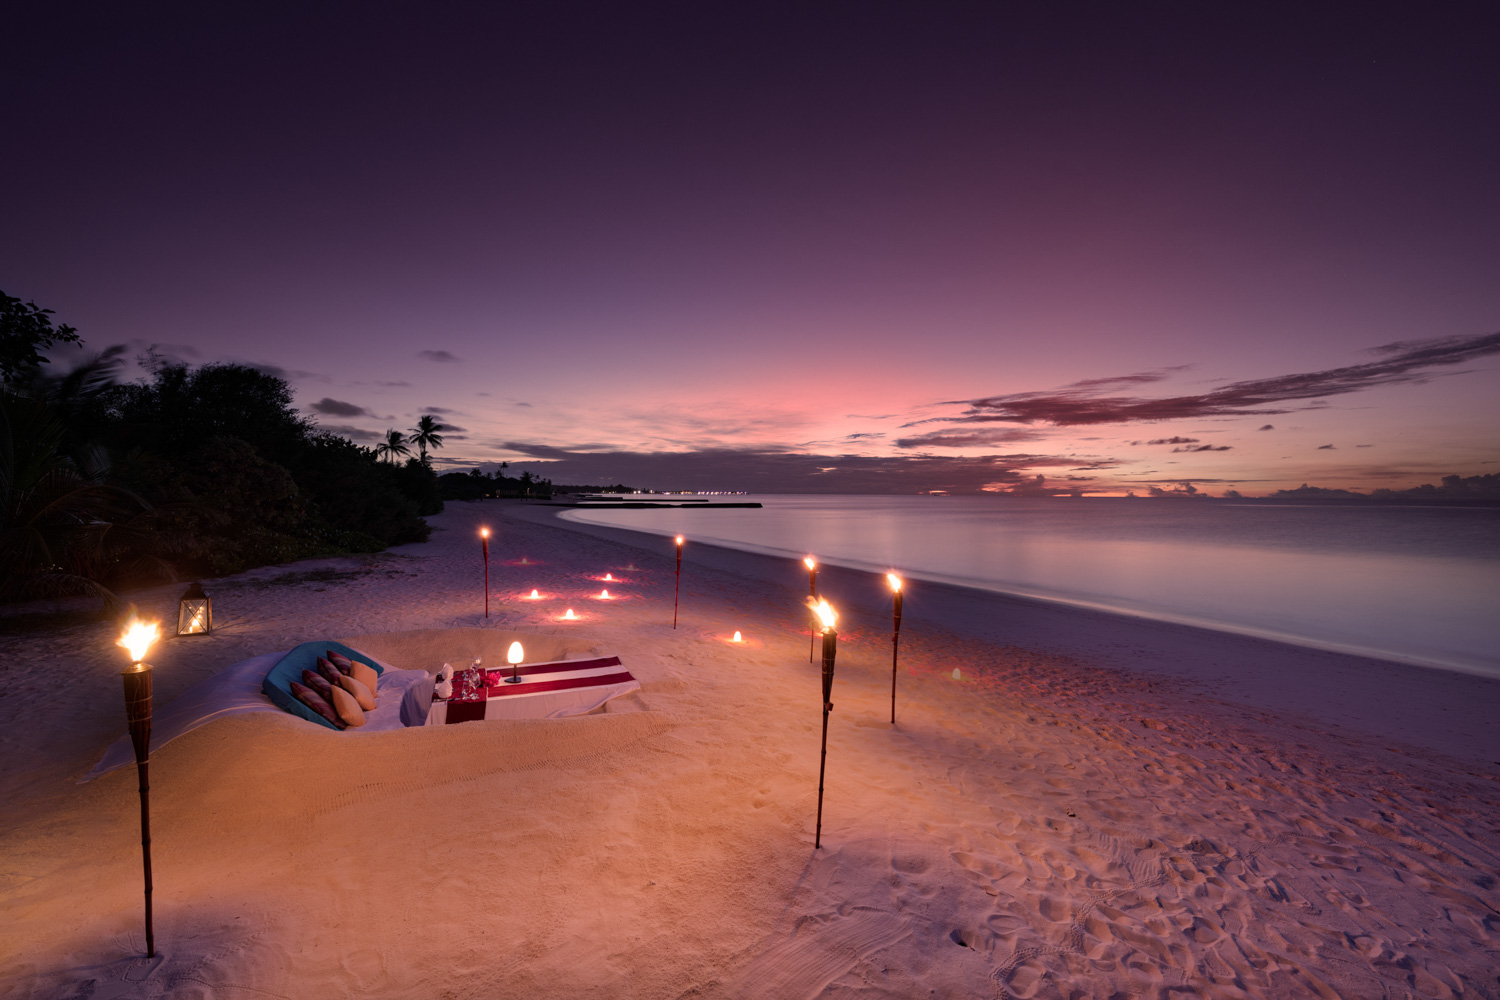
(199,471)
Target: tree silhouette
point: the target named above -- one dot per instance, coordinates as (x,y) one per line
(393,446)
(25,330)
(427,433)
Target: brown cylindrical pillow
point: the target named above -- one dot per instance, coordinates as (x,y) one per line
(329,671)
(341,661)
(315,701)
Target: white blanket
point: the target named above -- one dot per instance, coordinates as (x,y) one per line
(236,690)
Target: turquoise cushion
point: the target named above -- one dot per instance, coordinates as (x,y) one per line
(278,683)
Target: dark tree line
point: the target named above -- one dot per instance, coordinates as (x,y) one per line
(191,472)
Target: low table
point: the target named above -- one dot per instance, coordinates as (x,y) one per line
(546,691)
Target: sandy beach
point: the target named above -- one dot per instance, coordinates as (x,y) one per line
(1070,804)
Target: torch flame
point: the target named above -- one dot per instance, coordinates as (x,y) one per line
(608,578)
(824,611)
(679,540)
(534,596)
(484,532)
(810,563)
(515,654)
(604,595)
(737,638)
(569,615)
(138,637)
(894,581)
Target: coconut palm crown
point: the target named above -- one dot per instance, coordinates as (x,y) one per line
(427,434)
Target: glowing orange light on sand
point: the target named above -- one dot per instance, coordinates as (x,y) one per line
(138,637)
(737,638)
(569,616)
(824,611)
(608,578)
(604,595)
(533,596)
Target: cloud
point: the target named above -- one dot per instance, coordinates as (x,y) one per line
(1205,447)
(1173,440)
(443,356)
(527,405)
(864,436)
(353,433)
(782,471)
(276,371)
(1325,447)
(394,385)
(1081,403)
(339,408)
(1266,427)
(967,439)
(439,410)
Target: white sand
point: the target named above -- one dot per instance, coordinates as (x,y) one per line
(1119,820)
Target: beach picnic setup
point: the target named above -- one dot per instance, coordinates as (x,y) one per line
(544,689)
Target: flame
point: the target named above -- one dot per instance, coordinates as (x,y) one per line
(894,581)
(515,654)
(737,638)
(609,578)
(533,596)
(569,615)
(604,595)
(810,563)
(138,637)
(824,611)
(484,532)
(524,562)
(679,541)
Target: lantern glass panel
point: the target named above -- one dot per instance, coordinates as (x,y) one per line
(195,613)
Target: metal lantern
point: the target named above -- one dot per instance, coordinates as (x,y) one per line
(195,612)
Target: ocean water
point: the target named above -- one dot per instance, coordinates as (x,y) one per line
(1416,584)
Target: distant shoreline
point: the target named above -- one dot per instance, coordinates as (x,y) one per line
(1438,709)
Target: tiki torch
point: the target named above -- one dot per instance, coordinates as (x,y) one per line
(514,656)
(895,582)
(677,590)
(812,595)
(484,542)
(828,617)
(137,638)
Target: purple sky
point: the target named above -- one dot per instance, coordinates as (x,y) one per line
(752,247)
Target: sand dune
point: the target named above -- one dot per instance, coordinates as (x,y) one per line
(1047,825)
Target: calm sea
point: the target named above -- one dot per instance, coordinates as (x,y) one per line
(1409,583)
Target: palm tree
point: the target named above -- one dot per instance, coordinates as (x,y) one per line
(393,445)
(427,432)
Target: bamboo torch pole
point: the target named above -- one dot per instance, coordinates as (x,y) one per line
(137,638)
(677,590)
(895,582)
(484,541)
(830,650)
(812,596)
